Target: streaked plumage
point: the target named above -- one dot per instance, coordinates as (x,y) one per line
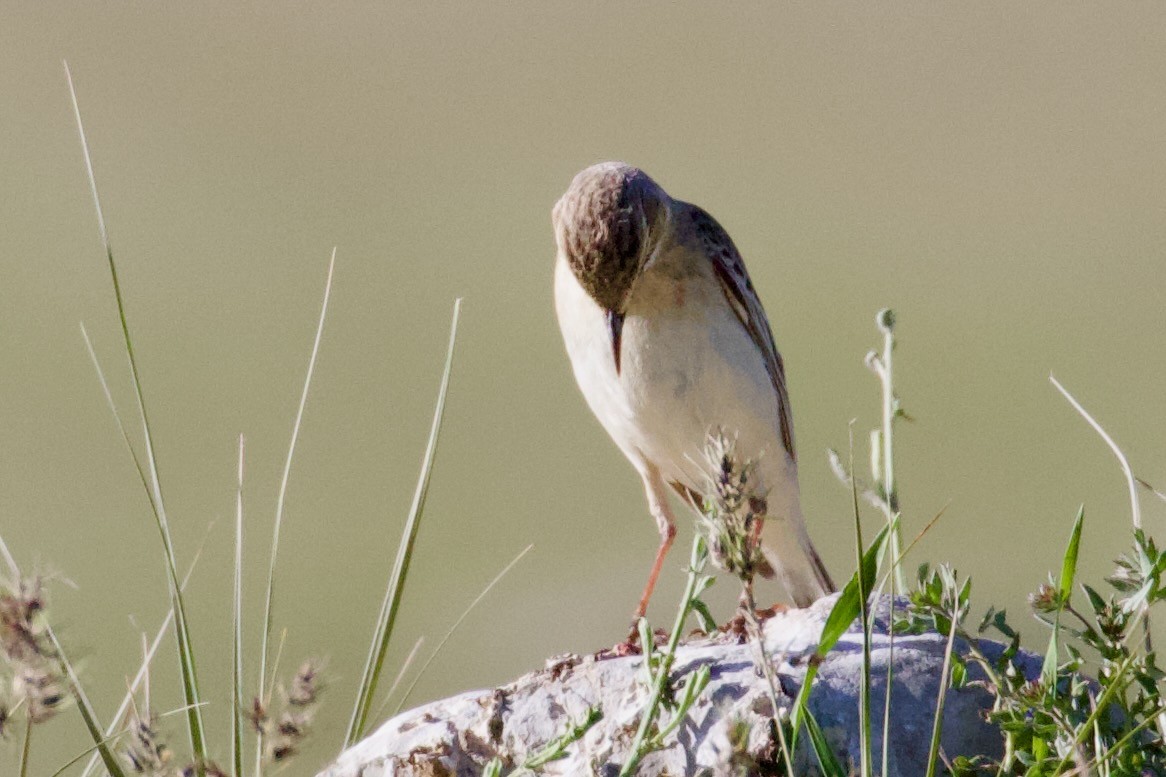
(668,342)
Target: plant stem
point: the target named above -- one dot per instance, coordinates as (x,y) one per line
(944,677)
(26,749)
(890,669)
(864,615)
(762,660)
(886,324)
(696,567)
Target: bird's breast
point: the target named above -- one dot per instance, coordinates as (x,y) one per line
(687,367)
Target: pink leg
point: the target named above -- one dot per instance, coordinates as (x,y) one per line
(666,523)
(666,538)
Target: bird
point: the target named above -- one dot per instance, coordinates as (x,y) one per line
(668,341)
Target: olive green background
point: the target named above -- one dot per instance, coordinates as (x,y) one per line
(996,172)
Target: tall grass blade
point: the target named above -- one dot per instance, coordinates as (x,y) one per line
(1131,481)
(269,598)
(944,680)
(185,651)
(401,671)
(125,435)
(383,630)
(237,642)
(844,612)
(481,595)
(865,581)
(280,499)
(142,673)
(88,715)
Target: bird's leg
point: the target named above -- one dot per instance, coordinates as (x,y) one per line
(666,523)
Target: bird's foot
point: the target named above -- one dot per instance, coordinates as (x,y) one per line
(632,645)
(738,625)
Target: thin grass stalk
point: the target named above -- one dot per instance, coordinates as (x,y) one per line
(401,672)
(847,608)
(265,635)
(109,739)
(185,651)
(1131,481)
(142,675)
(886,756)
(85,707)
(237,642)
(668,657)
(117,416)
(457,623)
(26,749)
(944,679)
(865,756)
(275,664)
(387,617)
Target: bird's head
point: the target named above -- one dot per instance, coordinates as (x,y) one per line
(607,226)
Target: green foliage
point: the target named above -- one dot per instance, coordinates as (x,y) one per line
(664,695)
(848,608)
(1063,722)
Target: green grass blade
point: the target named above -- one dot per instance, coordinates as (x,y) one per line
(143,670)
(237,642)
(1064,592)
(396,587)
(125,435)
(845,610)
(265,636)
(185,651)
(944,679)
(866,580)
(458,622)
(109,739)
(88,715)
(827,761)
(401,672)
(1069,565)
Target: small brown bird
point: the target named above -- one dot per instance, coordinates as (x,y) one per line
(668,341)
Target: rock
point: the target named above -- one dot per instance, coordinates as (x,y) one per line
(459,735)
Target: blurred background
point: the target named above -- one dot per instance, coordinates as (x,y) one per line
(996,174)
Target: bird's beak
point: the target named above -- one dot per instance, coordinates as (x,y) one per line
(615,330)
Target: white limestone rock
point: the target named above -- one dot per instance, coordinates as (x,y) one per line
(459,735)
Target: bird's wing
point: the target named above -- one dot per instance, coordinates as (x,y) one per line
(730,271)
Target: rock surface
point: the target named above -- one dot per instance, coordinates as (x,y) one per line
(459,735)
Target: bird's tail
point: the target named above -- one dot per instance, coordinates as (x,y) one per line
(786,545)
